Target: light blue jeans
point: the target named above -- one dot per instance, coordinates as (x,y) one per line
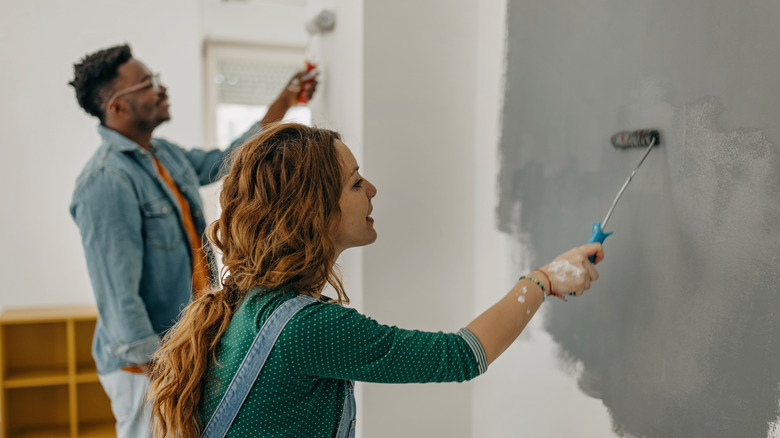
(127,392)
(347,424)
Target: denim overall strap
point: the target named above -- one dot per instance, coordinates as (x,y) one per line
(250,367)
(347,424)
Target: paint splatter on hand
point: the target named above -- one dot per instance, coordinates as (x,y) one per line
(571,273)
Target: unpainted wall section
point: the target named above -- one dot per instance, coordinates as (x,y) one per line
(419,111)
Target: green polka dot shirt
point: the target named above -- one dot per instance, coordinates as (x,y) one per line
(301,389)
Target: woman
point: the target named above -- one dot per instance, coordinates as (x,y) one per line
(292,201)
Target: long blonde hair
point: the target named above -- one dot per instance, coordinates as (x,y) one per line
(278,201)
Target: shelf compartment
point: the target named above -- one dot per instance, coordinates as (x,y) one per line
(84,331)
(35,349)
(38,412)
(42,432)
(95,418)
(97,430)
(49,387)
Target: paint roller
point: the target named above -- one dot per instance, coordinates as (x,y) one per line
(643,138)
(324,21)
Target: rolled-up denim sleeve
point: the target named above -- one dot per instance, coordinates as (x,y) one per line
(106,210)
(211,165)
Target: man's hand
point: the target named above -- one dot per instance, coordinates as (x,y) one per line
(303,84)
(141,368)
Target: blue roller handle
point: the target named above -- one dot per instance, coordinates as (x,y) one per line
(598,235)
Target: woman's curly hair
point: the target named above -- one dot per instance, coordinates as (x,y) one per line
(278,201)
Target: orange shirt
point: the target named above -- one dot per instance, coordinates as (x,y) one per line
(201,278)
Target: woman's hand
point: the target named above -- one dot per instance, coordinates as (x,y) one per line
(571,272)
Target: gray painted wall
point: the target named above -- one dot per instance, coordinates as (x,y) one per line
(679,338)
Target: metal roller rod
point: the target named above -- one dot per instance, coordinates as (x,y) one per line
(622,189)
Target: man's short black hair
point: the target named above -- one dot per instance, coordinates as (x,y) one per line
(94,74)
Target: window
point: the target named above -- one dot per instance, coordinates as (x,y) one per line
(241,82)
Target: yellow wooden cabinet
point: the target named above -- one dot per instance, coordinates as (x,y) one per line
(49,382)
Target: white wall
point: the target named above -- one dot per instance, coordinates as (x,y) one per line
(339,102)
(255,22)
(419,91)
(47,138)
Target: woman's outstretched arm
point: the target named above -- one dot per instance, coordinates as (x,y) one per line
(569,274)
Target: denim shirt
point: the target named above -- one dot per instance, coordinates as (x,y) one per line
(137,251)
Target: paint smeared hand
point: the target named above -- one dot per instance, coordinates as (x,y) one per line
(571,273)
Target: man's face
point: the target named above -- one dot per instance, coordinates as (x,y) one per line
(146,106)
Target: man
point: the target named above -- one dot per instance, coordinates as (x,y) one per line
(137,207)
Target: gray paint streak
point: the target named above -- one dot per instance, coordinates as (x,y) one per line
(679,337)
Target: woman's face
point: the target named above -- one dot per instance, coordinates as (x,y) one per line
(354,226)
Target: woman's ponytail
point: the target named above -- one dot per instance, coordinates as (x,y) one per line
(182,363)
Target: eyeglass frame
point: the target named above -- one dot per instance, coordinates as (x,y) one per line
(153,81)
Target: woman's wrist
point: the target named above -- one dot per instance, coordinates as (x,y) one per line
(289,97)
(550,291)
(546,280)
(530,277)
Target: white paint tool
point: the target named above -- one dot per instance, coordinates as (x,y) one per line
(323,22)
(625,140)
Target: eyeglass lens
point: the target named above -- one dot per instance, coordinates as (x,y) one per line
(155,81)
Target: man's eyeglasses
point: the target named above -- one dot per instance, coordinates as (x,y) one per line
(153,82)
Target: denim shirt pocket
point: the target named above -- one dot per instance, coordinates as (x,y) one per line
(161,225)
(189,187)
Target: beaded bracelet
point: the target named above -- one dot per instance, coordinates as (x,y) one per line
(548,280)
(538,283)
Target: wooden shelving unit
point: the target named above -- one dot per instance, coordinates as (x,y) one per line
(49,386)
